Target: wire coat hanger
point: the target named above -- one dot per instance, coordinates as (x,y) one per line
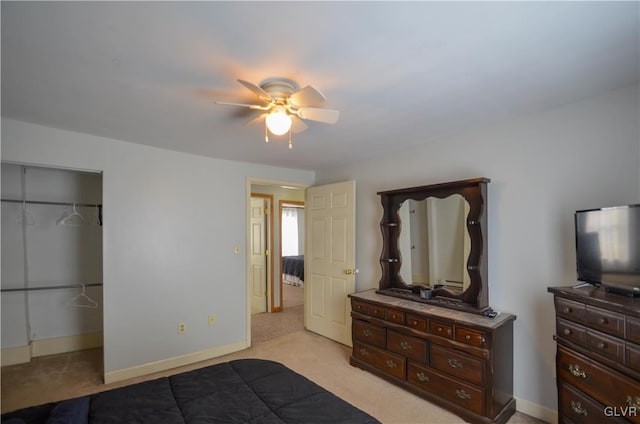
(82,297)
(25,217)
(73,219)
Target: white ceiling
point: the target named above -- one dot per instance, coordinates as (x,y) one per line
(401,74)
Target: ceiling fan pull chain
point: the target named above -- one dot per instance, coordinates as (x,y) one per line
(266,134)
(290,144)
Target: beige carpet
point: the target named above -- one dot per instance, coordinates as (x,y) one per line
(322,360)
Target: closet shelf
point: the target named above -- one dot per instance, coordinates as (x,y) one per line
(40,202)
(67,286)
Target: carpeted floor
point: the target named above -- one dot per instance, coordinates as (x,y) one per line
(266,326)
(327,363)
(279,337)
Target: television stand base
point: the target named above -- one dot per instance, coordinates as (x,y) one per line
(622,292)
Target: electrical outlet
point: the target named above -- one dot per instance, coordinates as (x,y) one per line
(212,319)
(182,327)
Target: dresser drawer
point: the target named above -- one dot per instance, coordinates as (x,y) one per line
(465,395)
(411,347)
(606,345)
(632,353)
(441,329)
(416,322)
(368,333)
(581,409)
(471,337)
(633,329)
(605,321)
(572,332)
(457,364)
(601,383)
(360,307)
(376,311)
(574,311)
(385,361)
(393,315)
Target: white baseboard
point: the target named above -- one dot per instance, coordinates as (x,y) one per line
(178,361)
(64,344)
(537,411)
(23,354)
(15,355)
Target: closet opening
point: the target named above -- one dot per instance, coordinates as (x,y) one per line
(52,271)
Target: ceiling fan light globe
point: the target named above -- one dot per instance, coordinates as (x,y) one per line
(278,122)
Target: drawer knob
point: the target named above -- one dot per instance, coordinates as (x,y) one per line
(633,401)
(439,329)
(404,345)
(375,312)
(454,363)
(567,310)
(482,339)
(393,316)
(566,331)
(391,364)
(601,345)
(462,394)
(576,371)
(420,376)
(467,337)
(578,408)
(364,352)
(414,322)
(603,321)
(366,333)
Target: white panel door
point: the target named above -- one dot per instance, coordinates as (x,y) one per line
(258,268)
(330,260)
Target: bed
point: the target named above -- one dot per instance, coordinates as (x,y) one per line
(242,391)
(293,270)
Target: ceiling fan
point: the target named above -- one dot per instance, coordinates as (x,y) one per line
(285,106)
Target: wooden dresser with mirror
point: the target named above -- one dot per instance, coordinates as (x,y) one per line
(429,327)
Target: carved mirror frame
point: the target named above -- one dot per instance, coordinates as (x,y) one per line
(476,297)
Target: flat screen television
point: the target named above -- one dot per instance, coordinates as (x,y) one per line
(608,248)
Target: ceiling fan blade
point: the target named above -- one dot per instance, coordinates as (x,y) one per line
(257,119)
(257,90)
(327,116)
(307,96)
(256,107)
(297,125)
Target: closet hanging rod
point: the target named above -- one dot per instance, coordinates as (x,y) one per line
(40,202)
(68,286)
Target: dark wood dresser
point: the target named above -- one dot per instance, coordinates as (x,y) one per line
(458,360)
(598,355)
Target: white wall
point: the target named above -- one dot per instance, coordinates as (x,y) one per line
(543,167)
(171,221)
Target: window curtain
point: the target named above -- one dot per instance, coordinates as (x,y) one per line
(290,232)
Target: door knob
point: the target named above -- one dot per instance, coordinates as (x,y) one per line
(351,271)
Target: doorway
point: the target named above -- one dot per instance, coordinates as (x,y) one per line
(276,320)
(292,241)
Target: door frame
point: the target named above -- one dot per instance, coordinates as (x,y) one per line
(249,182)
(281,205)
(269,244)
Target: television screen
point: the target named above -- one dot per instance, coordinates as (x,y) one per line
(608,247)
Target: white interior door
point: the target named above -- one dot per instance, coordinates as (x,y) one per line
(258,268)
(330,260)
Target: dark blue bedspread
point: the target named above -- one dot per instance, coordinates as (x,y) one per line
(293,265)
(242,391)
